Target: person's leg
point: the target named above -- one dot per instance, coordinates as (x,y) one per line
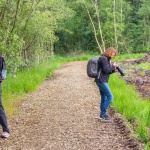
(102,103)
(3,119)
(106,97)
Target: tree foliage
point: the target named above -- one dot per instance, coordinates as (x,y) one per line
(33,30)
(124,24)
(28,30)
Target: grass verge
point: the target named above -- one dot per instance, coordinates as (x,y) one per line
(135,110)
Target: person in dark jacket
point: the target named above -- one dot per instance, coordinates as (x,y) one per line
(3,119)
(107,68)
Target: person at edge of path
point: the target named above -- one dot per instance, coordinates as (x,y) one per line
(107,68)
(3,119)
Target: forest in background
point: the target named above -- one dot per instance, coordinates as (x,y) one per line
(33,31)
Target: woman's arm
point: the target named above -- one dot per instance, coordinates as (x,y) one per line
(106,66)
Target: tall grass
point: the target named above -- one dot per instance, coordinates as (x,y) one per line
(129,56)
(128,102)
(144,66)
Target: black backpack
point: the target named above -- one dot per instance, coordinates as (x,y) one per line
(92,68)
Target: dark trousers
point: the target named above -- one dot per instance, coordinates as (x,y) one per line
(3,119)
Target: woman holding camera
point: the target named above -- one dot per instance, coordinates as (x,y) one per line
(107,68)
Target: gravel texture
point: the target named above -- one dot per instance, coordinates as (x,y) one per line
(61,115)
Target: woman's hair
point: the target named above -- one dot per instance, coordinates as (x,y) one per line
(109,52)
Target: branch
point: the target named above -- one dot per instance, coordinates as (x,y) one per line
(99,23)
(30,44)
(15,16)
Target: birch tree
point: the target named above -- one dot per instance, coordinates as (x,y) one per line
(115,28)
(99,23)
(93,26)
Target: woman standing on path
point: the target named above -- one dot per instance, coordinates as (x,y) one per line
(106,69)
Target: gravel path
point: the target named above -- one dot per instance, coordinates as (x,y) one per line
(61,115)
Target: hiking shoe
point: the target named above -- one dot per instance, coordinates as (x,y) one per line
(105,118)
(5,135)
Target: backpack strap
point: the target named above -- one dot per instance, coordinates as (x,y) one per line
(99,68)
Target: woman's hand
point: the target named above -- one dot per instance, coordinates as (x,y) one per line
(115,65)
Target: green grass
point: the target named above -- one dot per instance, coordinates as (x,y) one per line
(128,56)
(128,102)
(145,66)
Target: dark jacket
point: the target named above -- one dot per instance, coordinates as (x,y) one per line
(106,69)
(2,69)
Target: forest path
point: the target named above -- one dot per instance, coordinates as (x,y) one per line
(60,115)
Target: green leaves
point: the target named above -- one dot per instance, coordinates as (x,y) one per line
(28,30)
(32,30)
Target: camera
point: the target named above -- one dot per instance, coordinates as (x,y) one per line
(120,71)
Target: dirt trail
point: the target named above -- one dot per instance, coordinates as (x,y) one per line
(60,115)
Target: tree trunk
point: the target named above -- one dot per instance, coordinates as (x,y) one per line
(99,23)
(94,30)
(115,29)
